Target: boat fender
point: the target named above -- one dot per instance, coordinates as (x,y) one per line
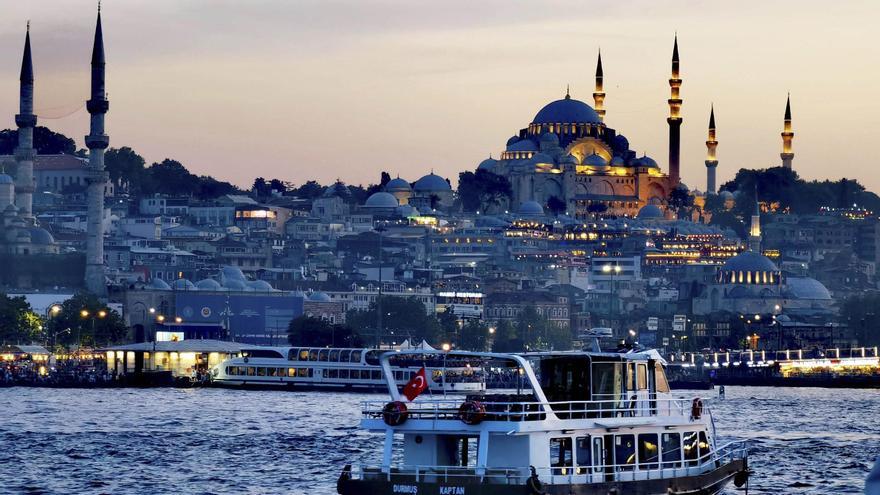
(534,484)
(697,408)
(472,412)
(344,478)
(395,413)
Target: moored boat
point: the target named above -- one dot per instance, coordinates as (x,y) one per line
(581,423)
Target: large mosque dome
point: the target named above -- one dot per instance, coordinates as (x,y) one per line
(432,183)
(749,267)
(567,111)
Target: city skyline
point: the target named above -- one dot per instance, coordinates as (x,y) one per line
(388,87)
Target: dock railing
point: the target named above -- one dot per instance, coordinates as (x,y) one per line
(570,474)
(448,409)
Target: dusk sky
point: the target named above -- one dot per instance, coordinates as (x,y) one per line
(321,89)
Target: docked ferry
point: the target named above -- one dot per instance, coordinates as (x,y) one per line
(582,423)
(346,369)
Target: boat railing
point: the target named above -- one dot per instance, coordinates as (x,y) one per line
(449,409)
(569,474)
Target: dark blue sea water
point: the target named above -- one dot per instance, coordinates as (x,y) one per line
(158,441)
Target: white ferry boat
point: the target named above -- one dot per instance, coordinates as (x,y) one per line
(582,423)
(351,368)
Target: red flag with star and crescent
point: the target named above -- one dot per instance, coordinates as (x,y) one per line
(416,385)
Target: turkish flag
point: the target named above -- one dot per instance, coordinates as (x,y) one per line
(416,385)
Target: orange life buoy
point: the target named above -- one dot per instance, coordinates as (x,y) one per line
(395,413)
(472,412)
(697,408)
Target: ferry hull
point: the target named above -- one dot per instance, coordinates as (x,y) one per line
(709,483)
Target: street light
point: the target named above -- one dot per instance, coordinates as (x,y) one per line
(178,320)
(56,309)
(160,318)
(612,270)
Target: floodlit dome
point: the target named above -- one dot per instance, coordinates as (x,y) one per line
(649,212)
(319,297)
(208,284)
(261,285)
(522,145)
(530,208)
(397,185)
(159,284)
(567,111)
(749,261)
(41,236)
(182,284)
(595,160)
(432,183)
(381,200)
(617,161)
(569,159)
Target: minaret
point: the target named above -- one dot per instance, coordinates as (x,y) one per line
(674,119)
(599,94)
(787,155)
(755,228)
(97,142)
(711,160)
(26,121)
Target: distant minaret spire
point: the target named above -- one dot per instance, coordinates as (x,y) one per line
(787,154)
(711,160)
(97,142)
(755,228)
(26,121)
(674,119)
(599,94)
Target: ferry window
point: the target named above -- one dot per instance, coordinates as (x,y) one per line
(376,374)
(261,371)
(642,376)
(561,455)
(355,356)
(228,370)
(630,376)
(691,451)
(372,357)
(607,381)
(344,356)
(582,453)
(334,355)
(343,373)
(251,371)
(322,356)
(293,354)
(624,452)
(291,372)
(660,378)
(303,372)
(313,355)
(311,372)
(671,450)
(304,355)
(649,451)
(273,371)
(705,448)
(334,373)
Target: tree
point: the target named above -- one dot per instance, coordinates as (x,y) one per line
(261,188)
(506,338)
(474,336)
(680,200)
(309,190)
(402,318)
(860,313)
(556,205)
(18,322)
(125,167)
(307,331)
(482,190)
(84,321)
(46,142)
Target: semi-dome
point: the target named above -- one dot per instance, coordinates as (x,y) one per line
(159,284)
(618,161)
(208,284)
(261,285)
(512,140)
(522,145)
(542,158)
(806,288)
(595,160)
(41,236)
(531,209)
(182,284)
(569,159)
(620,144)
(5,179)
(549,140)
(487,164)
(431,183)
(567,111)
(381,199)
(749,261)
(397,185)
(649,212)
(319,297)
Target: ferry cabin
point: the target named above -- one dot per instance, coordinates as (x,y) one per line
(590,419)
(344,368)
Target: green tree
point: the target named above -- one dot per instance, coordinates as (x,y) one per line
(507,338)
(402,318)
(307,331)
(261,188)
(125,167)
(481,190)
(18,322)
(83,320)
(46,142)
(474,336)
(556,205)
(680,200)
(309,190)
(597,208)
